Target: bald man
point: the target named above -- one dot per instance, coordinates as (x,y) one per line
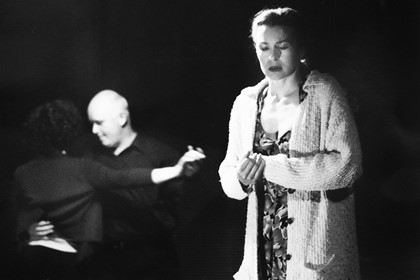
(137,223)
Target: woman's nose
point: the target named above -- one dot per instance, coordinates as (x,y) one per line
(275,54)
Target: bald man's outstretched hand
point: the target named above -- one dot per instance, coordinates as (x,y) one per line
(186,166)
(191,161)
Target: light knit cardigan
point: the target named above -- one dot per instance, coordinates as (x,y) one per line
(324,155)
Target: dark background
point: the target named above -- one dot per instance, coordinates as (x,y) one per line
(181,63)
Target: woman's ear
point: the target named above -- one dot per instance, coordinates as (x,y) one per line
(302,53)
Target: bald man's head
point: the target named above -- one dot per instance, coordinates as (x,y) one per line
(109,115)
(108,101)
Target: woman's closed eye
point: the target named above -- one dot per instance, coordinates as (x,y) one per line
(282,46)
(264,47)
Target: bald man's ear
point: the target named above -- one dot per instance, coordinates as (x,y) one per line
(123,119)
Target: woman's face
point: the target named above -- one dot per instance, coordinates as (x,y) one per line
(277,51)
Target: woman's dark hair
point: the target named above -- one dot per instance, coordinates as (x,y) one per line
(53,127)
(282,17)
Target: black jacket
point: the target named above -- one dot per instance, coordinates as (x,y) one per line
(62,190)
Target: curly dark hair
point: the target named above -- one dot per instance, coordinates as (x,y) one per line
(53,127)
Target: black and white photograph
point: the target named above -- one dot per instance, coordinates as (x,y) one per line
(209,140)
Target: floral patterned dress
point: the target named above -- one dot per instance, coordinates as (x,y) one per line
(272,201)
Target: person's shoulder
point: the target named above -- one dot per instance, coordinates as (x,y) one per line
(323,85)
(253,91)
(318,79)
(28,169)
(148,141)
(159,148)
(250,93)
(21,170)
(154,144)
(27,166)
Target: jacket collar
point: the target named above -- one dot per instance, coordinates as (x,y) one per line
(314,78)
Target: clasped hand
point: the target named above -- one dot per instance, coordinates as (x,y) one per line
(191,161)
(250,168)
(40,230)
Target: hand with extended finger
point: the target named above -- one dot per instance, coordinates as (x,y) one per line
(191,161)
(250,168)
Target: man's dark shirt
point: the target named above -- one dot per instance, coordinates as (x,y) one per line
(143,213)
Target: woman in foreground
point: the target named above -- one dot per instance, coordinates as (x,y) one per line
(294,151)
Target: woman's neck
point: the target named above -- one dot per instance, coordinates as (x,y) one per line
(285,88)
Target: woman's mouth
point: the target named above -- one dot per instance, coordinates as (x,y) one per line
(274,68)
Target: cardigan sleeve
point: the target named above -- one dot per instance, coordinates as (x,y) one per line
(337,165)
(227,169)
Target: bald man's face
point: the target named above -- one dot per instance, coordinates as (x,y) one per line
(106,124)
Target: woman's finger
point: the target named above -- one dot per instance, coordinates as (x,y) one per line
(243,163)
(45,232)
(44,223)
(249,164)
(260,170)
(253,170)
(44,228)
